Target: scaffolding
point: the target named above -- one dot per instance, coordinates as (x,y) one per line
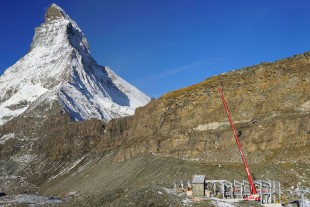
(302,191)
(269,191)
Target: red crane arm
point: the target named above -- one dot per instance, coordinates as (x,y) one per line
(253,190)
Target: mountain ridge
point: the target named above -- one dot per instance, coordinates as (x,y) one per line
(59,62)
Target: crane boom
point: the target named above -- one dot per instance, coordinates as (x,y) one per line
(253,191)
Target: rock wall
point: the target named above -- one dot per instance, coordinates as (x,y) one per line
(269,104)
(39,148)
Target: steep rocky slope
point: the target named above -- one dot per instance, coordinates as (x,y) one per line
(269,103)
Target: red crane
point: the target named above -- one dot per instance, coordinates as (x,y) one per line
(253,192)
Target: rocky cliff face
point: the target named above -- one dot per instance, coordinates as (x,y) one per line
(269,103)
(35,149)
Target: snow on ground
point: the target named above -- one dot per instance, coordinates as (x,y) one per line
(28,199)
(136,97)
(6,137)
(24,159)
(28,92)
(90,163)
(187,202)
(169,190)
(68,168)
(221,203)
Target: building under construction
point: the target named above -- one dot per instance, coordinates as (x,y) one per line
(268,191)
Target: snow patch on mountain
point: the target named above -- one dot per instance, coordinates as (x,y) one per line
(20,101)
(6,137)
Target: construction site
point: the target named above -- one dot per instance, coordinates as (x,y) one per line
(265,192)
(269,192)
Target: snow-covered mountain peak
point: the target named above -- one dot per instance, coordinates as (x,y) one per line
(59,62)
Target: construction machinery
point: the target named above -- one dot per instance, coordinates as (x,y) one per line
(253,192)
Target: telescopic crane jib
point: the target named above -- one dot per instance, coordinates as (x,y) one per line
(253,192)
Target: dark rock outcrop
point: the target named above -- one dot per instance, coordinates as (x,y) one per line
(53,13)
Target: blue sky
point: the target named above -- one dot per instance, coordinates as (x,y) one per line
(164,45)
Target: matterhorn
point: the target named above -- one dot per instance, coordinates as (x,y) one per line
(59,72)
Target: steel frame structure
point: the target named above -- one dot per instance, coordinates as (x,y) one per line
(269,191)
